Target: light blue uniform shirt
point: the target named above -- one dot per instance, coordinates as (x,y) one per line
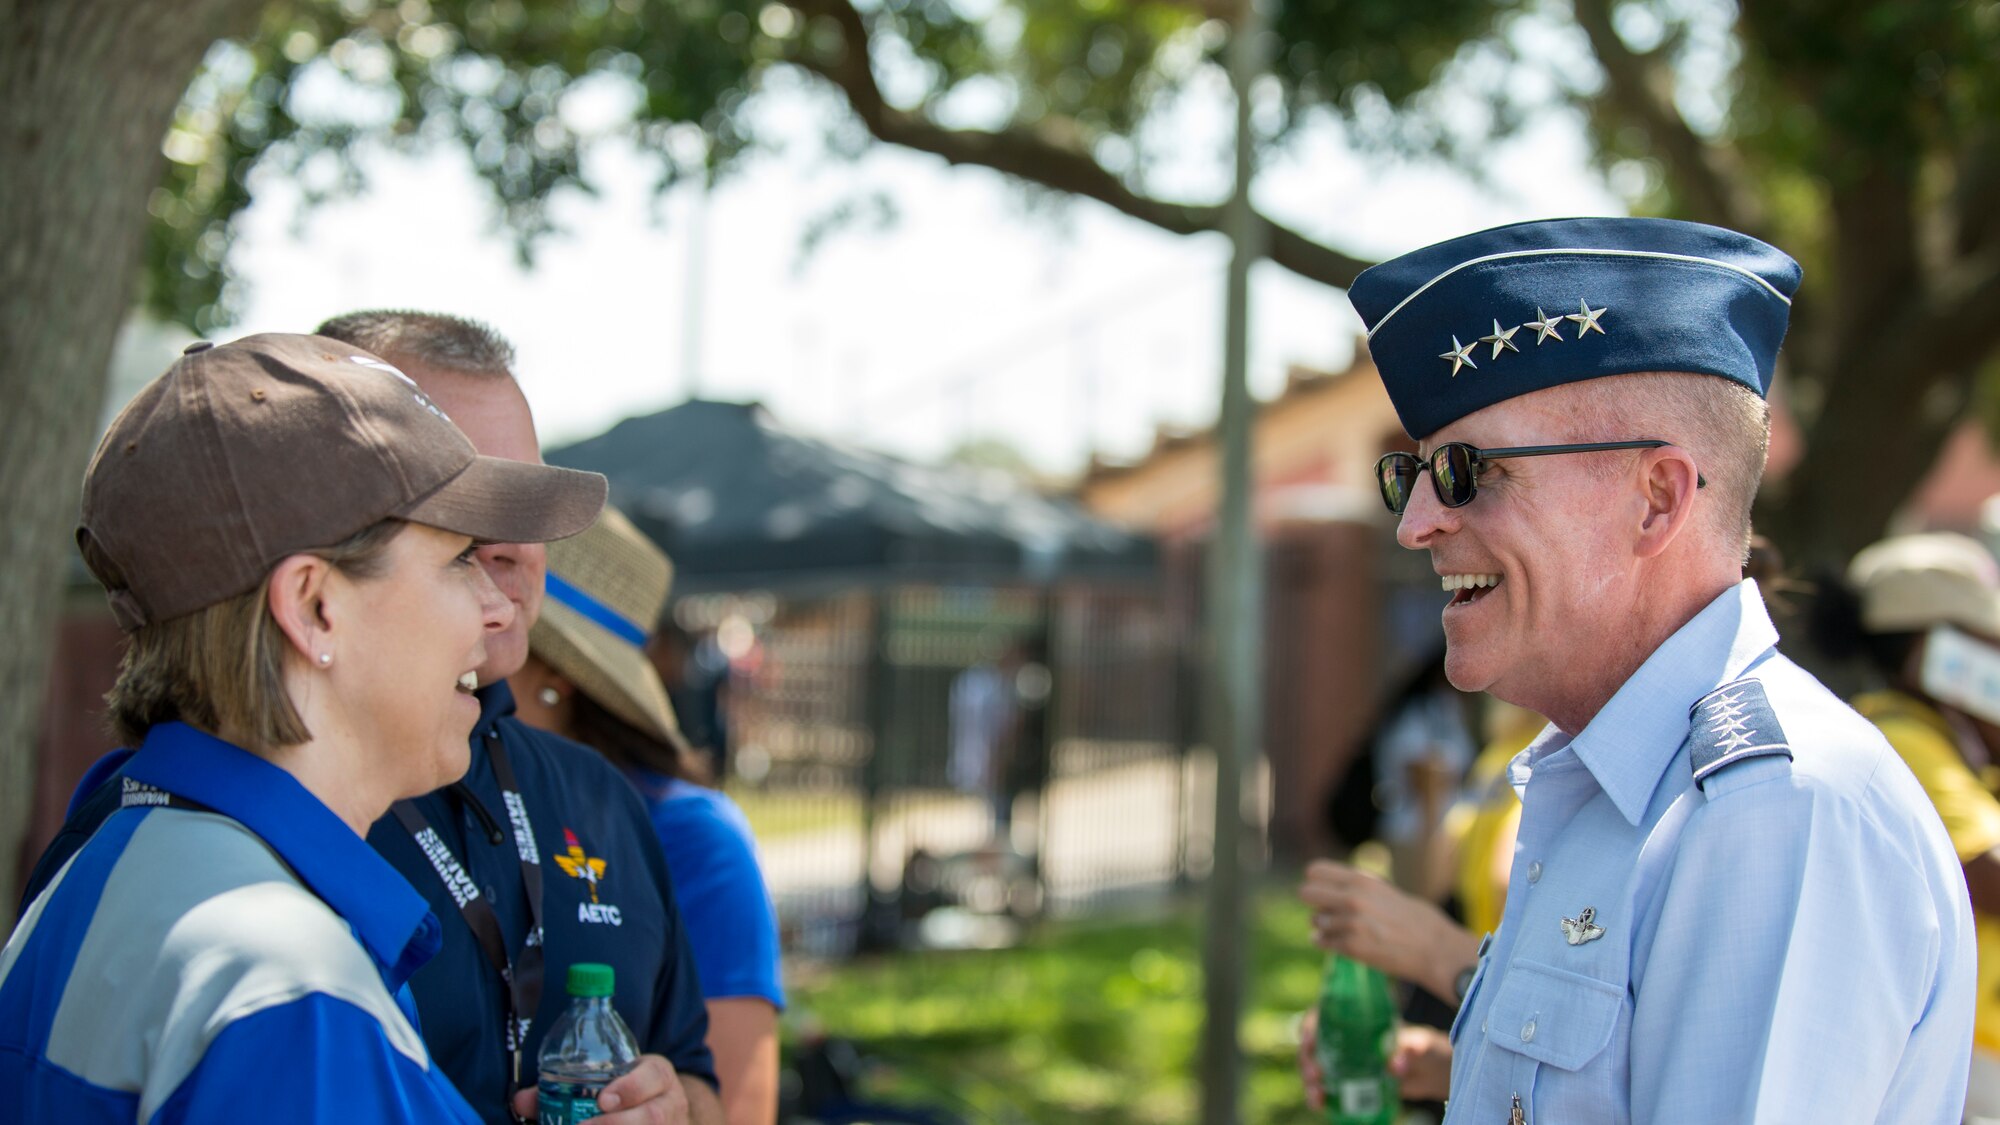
(1790,940)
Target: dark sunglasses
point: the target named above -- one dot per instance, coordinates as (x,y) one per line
(1455,468)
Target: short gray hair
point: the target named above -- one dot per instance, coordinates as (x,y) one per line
(1724,425)
(437,339)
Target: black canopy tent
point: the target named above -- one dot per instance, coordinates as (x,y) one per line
(888,580)
(739,501)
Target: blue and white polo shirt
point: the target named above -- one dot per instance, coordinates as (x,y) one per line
(247,963)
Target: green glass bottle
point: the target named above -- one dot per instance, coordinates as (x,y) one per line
(1357,1034)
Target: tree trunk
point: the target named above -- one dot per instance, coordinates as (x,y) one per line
(1876,438)
(87,89)
(1894,380)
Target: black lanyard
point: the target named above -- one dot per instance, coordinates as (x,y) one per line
(523,979)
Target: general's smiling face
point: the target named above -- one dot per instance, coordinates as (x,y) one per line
(1534,565)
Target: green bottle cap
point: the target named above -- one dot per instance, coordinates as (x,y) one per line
(587,978)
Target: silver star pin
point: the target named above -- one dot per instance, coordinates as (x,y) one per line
(1544,327)
(1460,355)
(1581,928)
(1586,320)
(1500,340)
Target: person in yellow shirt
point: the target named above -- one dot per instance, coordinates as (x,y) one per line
(1923,612)
(1482,826)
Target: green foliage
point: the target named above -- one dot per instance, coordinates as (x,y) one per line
(1088,1023)
(1861,135)
(1815,98)
(1369,61)
(497,77)
(503,79)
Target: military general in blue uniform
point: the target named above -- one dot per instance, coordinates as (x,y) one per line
(1730,901)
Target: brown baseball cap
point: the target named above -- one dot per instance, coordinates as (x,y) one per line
(247,452)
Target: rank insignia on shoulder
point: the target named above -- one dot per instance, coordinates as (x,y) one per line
(1731,724)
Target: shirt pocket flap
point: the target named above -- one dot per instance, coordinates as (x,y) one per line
(1552,1015)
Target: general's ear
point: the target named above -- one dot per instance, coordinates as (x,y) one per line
(296,594)
(1670,481)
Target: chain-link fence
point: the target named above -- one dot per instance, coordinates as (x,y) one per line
(1000,750)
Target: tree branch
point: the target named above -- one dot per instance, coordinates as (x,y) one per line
(1641,86)
(1050,153)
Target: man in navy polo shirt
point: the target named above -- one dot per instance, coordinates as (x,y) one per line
(542,856)
(568,821)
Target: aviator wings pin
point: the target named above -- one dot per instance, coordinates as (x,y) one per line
(1582,928)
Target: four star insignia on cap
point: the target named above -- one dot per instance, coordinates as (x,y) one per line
(1586,320)
(1545,327)
(1460,355)
(1500,340)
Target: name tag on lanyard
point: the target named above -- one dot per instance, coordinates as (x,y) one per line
(522,979)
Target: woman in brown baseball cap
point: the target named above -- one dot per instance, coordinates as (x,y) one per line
(285,527)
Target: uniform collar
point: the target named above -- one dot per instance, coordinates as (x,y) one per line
(1629,744)
(389,917)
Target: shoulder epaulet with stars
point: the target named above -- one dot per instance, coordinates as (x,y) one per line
(1732,724)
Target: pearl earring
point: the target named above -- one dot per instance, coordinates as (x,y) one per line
(549,696)
(325,658)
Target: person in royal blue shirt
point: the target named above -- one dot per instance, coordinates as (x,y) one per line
(588,677)
(226,945)
(542,856)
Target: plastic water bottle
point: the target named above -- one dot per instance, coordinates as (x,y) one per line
(1357,1035)
(586,1048)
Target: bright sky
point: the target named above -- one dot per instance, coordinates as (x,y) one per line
(968,316)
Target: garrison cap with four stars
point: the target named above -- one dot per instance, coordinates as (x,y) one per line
(1463,324)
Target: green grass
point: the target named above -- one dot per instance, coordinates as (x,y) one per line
(1085,1024)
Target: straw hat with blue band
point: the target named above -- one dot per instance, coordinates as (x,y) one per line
(624,628)
(606,588)
(1463,324)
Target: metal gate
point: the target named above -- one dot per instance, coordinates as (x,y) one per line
(870,799)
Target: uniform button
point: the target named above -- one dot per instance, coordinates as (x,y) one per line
(1535,872)
(1528,1032)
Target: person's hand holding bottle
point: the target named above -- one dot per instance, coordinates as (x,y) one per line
(1359,915)
(1421,1062)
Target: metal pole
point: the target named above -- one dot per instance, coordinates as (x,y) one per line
(1235,606)
(695,290)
